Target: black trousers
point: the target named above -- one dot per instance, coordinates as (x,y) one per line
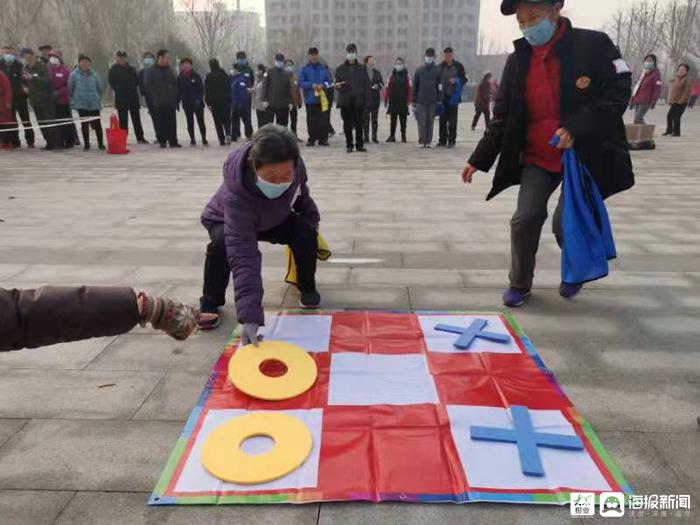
(94,124)
(152,113)
(393,118)
(45,113)
(239,115)
(264,117)
(295,232)
(7,137)
(352,123)
(222,120)
(135,112)
(293,118)
(67,133)
(21,107)
(370,115)
(448,125)
(317,123)
(673,119)
(166,125)
(487,117)
(244,115)
(280,116)
(190,113)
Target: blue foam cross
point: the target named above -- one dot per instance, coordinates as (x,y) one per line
(474,330)
(527,440)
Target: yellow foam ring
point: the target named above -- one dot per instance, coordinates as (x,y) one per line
(223,458)
(244,371)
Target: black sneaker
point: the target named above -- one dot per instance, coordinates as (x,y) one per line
(362,150)
(310,300)
(403,139)
(163,145)
(176,145)
(204,142)
(440,145)
(391,139)
(86,147)
(349,149)
(451,145)
(323,143)
(193,142)
(101,147)
(310,143)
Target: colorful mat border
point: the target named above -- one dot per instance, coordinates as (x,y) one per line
(561,498)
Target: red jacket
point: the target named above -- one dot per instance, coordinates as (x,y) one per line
(542,98)
(7,115)
(649,89)
(59,79)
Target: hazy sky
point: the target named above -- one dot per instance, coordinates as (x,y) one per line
(503,30)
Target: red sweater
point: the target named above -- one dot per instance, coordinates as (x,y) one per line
(542,94)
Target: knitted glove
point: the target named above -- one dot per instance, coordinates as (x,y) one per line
(178,320)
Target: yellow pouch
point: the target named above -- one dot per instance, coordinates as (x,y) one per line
(324,252)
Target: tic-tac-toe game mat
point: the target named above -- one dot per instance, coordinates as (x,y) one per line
(399,413)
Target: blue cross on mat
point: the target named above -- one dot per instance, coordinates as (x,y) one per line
(467,335)
(527,440)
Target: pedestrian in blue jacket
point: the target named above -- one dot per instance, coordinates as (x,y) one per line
(241,90)
(314,79)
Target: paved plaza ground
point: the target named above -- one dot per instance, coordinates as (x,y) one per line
(626,351)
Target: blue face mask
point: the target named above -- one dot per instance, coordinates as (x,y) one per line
(279,64)
(242,62)
(148,62)
(540,33)
(398,67)
(270,189)
(648,65)
(8,58)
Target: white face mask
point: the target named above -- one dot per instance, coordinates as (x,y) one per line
(54,61)
(351,57)
(429,60)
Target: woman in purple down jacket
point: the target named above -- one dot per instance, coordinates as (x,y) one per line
(264,197)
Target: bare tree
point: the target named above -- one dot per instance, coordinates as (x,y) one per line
(294,42)
(637,30)
(248,36)
(18,20)
(213,22)
(680,29)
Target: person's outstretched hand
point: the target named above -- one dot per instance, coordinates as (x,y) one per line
(468,173)
(249,336)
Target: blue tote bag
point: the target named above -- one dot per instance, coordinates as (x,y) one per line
(588,238)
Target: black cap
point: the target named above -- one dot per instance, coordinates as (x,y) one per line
(279,57)
(351,48)
(240,55)
(313,51)
(448,49)
(508,6)
(45,46)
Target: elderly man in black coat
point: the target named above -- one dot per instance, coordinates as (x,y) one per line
(560,80)
(124,80)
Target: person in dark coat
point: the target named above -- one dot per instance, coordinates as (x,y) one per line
(297,100)
(454,80)
(191,92)
(678,98)
(482,100)
(124,81)
(149,60)
(353,85)
(330,95)
(277,91)
(12,67)
(264,197)
(41,97)
(218,98)
(564,81)
(161,84)
(375,100)
(58,314)
(427,94)
(397,98)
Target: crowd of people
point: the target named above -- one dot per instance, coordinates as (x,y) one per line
(52,89)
